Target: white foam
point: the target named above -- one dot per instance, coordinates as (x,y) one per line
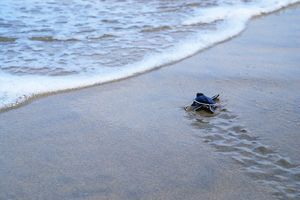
(210,15)
(17,89)
(239,11)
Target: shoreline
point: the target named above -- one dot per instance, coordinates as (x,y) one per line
(132,139)
(34,97)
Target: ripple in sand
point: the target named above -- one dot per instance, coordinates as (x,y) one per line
(7,39)
(52,39)
(46,71)
(157,29)
(259,161)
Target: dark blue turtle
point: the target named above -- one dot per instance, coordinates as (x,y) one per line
(203,102)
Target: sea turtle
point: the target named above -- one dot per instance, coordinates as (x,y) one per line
(203,102)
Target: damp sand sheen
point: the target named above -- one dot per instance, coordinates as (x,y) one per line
(259,161)
(132,139)
(51,46)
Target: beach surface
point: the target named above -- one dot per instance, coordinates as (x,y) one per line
(132,139)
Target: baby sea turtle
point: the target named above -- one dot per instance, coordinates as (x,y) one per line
(202,102)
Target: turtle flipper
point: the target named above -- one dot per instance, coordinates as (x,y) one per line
(198,108)
(215,97)
(212,108)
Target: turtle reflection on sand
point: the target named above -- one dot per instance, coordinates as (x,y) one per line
(202,102)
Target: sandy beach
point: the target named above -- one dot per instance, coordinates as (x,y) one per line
(132,139)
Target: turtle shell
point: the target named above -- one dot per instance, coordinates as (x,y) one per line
(201,98)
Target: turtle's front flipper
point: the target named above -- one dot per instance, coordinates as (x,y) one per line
(215,97)
(212,108)
(198,108)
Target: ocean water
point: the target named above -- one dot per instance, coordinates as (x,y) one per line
(54,45)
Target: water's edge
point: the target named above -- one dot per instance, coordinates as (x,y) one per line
(28,99)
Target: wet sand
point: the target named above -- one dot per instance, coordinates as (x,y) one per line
(132,139)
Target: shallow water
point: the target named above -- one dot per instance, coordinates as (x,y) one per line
(47,46)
